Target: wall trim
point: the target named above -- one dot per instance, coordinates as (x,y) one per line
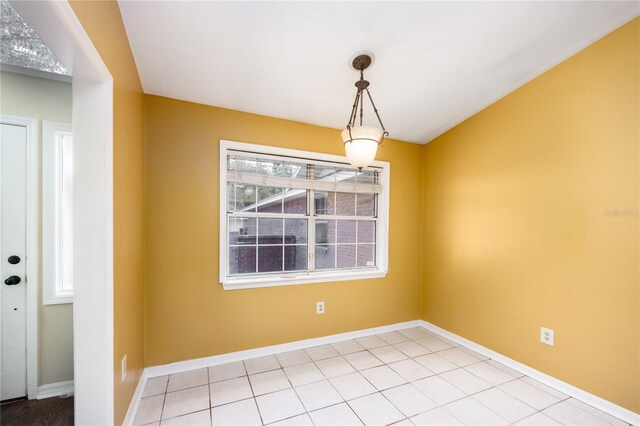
(564,387)
(135,400)
(179,367)
(55,389)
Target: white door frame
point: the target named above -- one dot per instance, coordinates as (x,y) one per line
(92,118)
(31,267)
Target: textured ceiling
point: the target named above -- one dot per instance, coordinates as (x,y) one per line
(436,63)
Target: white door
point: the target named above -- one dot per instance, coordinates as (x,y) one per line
(13,200)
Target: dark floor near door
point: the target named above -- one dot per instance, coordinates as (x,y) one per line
(51,411)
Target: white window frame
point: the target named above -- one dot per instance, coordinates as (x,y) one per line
(293,278)
(53,292)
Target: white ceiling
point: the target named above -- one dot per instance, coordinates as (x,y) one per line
(436,63)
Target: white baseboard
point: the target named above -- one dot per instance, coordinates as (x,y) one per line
(135,400)
(179,367)
(574,392)
(55,389)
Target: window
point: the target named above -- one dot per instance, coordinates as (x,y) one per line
(295,217)
(57,213)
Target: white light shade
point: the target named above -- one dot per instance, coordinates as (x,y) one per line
(361,147)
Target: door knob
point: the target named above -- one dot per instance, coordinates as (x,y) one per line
(13,259)
(12,280)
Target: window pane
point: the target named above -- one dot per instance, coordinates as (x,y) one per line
(346,256)
(244,198)
(325,231)
(346,231)
(366,231)
(325,257)
(295,201)
(325,202)
(366,255)
(325,173)
(366,204)
(242,260)
(295,231)
(242,230)
(269,258)
(269,199)
(295,258)
(367,176)
(270,231)
(345,203)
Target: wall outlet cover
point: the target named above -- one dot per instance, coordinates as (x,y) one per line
(320,308)
(547,336)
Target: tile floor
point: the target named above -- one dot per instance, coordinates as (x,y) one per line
(406,377)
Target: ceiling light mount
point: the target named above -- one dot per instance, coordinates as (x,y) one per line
(361,142)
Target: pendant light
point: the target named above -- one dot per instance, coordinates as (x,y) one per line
(361,142)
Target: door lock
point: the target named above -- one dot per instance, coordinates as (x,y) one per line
(12,280)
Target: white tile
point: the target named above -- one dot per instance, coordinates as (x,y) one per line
(261,364)
(241,413)
(548,389)
(370,342)
(155,386)
(336,415)
(405,422)
(435,363)
(458,357)
(393,337)
(409,400)
(465,381)
(149,410)
(200,418)
(566,413)
(538,419)
(444,339)
(414,333)
(347,347)
(433,344)
(410,370)
(269,381)
(321,352)
(218,373)
(186,401)
(279,405)
(230,391)
(318,395)
(303,374)
(594,411)
(352,386)
(510,371)
(383,377)
(301,420)
(504,404)
(436,417)
(362,360)
(529,394)
(490,374)
(388,354)
(439,390)
(334,367)
(411,349)
(188,379)
(375,410)
(473,353)
(287,359)
(471,412)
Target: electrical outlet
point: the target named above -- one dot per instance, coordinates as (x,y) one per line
(320,308)
(547,336)
(124,367)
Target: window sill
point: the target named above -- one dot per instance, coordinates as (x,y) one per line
(273,281)
(58,300)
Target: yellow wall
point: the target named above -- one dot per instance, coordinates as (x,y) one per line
(516,234)
(102,21)
(187,314)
